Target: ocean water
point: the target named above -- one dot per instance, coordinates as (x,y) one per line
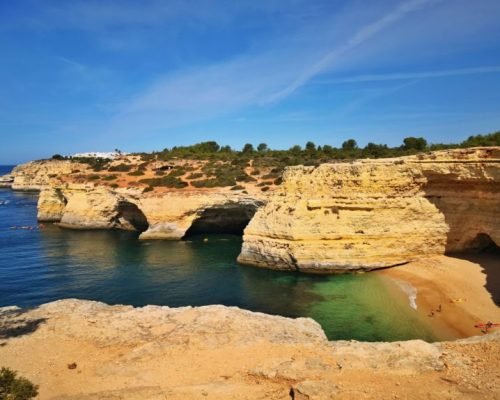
(47,263)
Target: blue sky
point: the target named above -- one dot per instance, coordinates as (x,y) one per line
(143,75)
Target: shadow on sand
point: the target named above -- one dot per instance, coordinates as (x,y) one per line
(489,260)
(14,323)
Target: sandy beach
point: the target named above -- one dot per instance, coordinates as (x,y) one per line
(466,288)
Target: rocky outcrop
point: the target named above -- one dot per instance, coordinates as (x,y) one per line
(378,213)
(170,216)
(6,181)
(167,216)
(121,352)
(35,175)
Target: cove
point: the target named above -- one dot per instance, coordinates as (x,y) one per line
(42,265)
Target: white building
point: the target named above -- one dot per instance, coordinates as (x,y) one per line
(97,154)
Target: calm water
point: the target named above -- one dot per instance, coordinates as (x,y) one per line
(41,265)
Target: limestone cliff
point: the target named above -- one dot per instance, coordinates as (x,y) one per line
(76,349)
(378,213)
(35,175)
(165,216)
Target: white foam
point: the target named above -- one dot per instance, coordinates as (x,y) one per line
(410,291)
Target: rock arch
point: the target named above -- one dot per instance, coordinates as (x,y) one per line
(130,217)
(229,218)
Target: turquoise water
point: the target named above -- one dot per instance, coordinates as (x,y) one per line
(41,265)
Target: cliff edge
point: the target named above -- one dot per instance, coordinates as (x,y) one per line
(76,349)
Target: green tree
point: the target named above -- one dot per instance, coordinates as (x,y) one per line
(310,147)
(248,148)
(262,147)
(349,144)
(57,157)
(414,143)
(375,150)
(295,149)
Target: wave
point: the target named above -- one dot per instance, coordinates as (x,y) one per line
(410,291)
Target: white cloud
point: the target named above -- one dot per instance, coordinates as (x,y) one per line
(412,75)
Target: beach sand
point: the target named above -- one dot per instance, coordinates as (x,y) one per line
(466,286)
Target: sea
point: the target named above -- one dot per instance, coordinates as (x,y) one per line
(40,263)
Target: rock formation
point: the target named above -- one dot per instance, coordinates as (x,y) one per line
(377,213)
(76,349)
(338,217)
(35,175)
(168,216)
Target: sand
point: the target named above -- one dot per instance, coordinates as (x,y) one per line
(465,287)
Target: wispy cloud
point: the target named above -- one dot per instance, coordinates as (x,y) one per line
(257,79)
(412,75)
(357,39)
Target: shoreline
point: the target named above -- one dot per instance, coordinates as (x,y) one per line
(462,286)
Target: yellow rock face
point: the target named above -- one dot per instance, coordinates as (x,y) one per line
(377,213)
(35,175)
(167,216)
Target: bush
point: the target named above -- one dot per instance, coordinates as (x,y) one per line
(265,183)
(109,177)
(58,157)
(165,181)
(94,177)
(120,168)
(195,175)
(13,387)
(265,188)
(139,172)
(238,187)
(148,189)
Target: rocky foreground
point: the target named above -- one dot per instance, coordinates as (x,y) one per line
(87,350)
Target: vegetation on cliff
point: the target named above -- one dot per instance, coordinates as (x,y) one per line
(14,387)
(210,165)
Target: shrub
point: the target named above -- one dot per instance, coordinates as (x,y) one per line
(58,157)
(109,177)
(255,172)
(14,387)
(265,183)
(265,188)
(238,187)
(195,175)
(120,168)
(139,172)
(165,181)
(94,177)
(148,189)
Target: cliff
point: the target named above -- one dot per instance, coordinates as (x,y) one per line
(35,175)
(166,216)
(378,213)
(340,217)
(76,349)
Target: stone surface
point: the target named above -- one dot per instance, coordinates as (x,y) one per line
(166,216)
(35,175)
(377,213)
(121,352)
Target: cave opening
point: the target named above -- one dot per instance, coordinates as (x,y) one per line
(131,218)
(228,219)
(482,243)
